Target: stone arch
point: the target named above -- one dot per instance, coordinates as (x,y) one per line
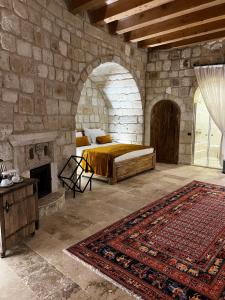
(128,112)
(148,110)
(99,61)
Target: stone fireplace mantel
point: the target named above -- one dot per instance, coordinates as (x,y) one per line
(17,140)
(33,150)
(21,143)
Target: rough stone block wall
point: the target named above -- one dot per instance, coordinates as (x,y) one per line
(92,111)
(46,55)
(126,112)
(123,100)
(170,75)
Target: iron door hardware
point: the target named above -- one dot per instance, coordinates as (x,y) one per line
(7,206)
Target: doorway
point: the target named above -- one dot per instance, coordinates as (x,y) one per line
(165,131)
(207,136)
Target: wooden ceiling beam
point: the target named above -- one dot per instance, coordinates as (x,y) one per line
(181,35)
(196,40)
(162,13)
(122,9)
(77,6)
(187,21)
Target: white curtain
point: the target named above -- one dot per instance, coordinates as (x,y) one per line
(211,81)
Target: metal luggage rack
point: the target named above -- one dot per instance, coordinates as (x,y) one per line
(70,176)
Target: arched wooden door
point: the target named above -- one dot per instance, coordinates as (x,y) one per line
(165,131)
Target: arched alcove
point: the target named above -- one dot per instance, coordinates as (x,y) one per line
(165,131)
(110,99)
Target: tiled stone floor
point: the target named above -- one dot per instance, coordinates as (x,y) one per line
(38,268)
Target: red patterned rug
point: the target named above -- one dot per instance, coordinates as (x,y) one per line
(171,249)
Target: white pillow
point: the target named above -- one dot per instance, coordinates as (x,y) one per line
(79,134)
(93,133)
(87,132)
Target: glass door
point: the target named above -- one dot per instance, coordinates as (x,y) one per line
(214,147)
(207,136)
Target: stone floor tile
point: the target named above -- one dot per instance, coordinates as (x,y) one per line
(39,269)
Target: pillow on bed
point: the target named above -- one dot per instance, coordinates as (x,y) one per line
(78,134)
(104,139)
(93,133)
(82,141)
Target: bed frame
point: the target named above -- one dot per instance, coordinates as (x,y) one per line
(132,166)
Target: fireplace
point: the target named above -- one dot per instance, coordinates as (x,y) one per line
(35,155)
(43,174)
(36,150)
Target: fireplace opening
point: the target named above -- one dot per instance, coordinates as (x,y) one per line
(43,174)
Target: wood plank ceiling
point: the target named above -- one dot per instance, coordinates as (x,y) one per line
(159,24)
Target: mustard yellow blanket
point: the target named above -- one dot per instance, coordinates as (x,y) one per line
(101,159)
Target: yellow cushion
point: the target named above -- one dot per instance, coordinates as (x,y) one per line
(82,141)
(105,139)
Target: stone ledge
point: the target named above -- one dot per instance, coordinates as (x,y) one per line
(51,203)
(32,138)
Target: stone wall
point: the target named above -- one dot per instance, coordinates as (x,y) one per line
(126,108)
(170,75)
(92,111)
(46,56)
(111,97)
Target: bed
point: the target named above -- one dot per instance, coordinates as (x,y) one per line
(122,166)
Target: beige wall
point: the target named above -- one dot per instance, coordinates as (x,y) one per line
(170,75)
(121,100)
(92,111)
(46,56)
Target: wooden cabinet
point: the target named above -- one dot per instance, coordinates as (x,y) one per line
(19,215)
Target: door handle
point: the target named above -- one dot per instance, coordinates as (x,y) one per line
(7,206)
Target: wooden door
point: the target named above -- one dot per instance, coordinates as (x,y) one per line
(21,210)
(165,131)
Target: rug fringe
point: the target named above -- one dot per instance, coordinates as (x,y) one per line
(102,275)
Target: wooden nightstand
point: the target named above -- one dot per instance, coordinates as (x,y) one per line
(19,215)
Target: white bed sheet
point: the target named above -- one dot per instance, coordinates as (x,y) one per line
(133,154)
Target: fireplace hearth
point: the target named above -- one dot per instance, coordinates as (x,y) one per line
(43,174)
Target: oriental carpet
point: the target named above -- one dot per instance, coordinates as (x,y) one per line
(171,249)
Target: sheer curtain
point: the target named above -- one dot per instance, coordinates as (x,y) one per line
(211,81)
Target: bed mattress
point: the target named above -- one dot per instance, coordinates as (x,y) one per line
(133,154)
